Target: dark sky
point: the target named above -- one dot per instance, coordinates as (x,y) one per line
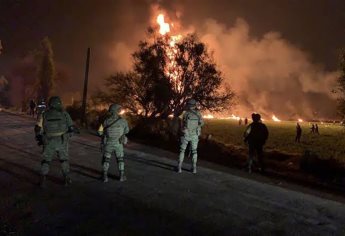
(315,26)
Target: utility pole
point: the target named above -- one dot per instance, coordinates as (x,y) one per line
(86,80)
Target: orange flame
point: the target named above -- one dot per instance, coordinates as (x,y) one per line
(164,27)
(275,119)
(208,116)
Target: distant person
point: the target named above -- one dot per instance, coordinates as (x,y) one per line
(246,121)
(113,131)
(312,129)
(53,131)
(298,133)
(191,129)
(32,108)
(317,129)
(41,107)
(256,136)
(240,122)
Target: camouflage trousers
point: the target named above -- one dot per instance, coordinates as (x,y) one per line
(111,147)
(59,146)
(193,140)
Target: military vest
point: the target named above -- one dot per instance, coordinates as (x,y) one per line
(54,123)
(114,128)
(192,120)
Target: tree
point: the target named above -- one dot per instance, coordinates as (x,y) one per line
(166,73)
(341,85)
(46,74)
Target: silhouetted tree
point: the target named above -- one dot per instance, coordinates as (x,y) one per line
(165,75)
(46,70)
(341,85)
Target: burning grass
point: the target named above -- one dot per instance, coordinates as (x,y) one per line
(330,144)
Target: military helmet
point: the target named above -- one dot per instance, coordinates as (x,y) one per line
(114,108)
(191,103)
(55,102)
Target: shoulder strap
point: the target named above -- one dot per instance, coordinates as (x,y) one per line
(195,113)
(112,123)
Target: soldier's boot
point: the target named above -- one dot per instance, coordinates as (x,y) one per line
(122,176)
(105,177)
(179,167)
(68,181)
(43,181)
(194,160)
(194,168)
(180,161)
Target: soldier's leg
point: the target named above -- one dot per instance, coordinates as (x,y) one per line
(251,154)
(194,146)
(108,150)
(183,146)
(64,160)
(259,150)
(48,153)
(120,161)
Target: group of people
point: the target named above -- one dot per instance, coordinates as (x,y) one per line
(55,127)
(314,130)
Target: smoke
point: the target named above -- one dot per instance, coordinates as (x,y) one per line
(269,74)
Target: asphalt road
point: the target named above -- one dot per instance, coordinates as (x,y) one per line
(153,201)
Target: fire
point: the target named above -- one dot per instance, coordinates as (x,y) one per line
(233,117)
(275,119)
(208,116)
(300,120)
(164,27)
(171,70)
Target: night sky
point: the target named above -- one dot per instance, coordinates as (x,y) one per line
(317,27)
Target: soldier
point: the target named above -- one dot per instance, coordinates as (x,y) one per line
(246,121)
(312,129)
(240,122)
(298,133)
(191,130)
(53,130)
(113,132)
(256,135)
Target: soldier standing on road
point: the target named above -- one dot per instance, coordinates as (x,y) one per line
(256,135)
(191,130)
(298,133)
(113,132)
(53,130)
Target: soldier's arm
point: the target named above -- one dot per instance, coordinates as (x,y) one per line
(39,126)
(126,127)
(201,120)
(100,130)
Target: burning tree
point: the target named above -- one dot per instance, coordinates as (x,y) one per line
(169,70)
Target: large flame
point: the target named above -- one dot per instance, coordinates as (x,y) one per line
(171,69)
(300,120)
(164,27)
(275,119)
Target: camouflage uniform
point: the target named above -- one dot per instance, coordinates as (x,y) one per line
(53,128)
(113,131)
(191,130)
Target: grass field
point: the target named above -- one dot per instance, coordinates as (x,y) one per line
(329,144)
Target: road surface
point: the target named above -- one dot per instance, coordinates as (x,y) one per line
(153,201)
